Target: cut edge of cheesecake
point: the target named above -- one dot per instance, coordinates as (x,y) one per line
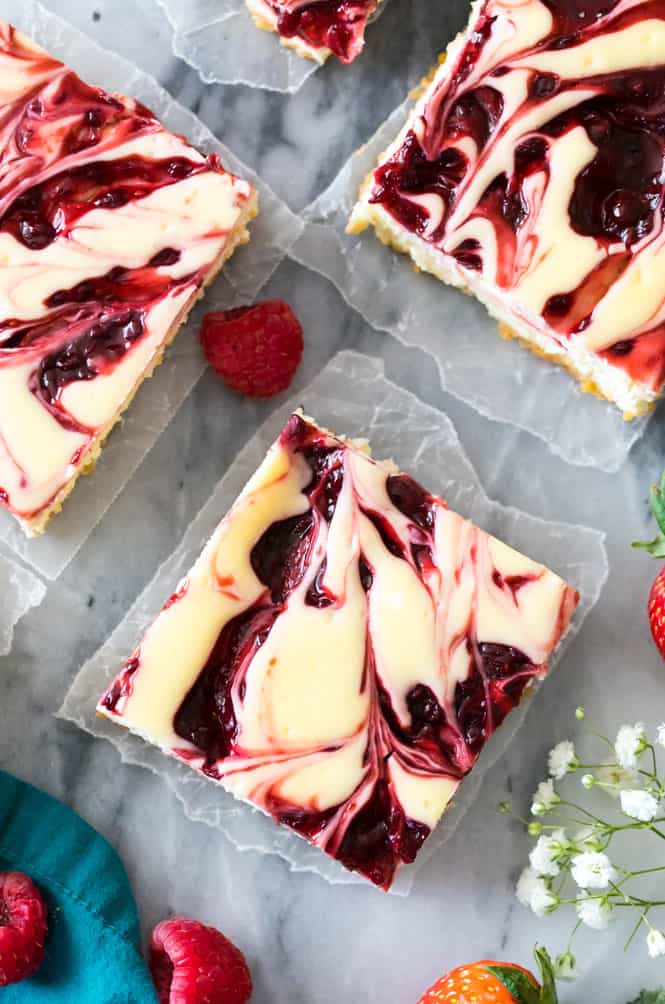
(34,526)
(594,374)
(266,19)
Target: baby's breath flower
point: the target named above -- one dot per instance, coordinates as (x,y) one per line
(547,853)
(562,760)
(630,743)
(595,913)
(592,870)
(655,943)
(573,866)
(641,805)
(565,966)
(544,799)
(533,891)
(615,779)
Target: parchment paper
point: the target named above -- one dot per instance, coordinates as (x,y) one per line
(20,590)
(352,396)
(220,40)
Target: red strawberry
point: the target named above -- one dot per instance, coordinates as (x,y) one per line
(656,548)
(194,964)
(23,926)
(495,983)
(256,350)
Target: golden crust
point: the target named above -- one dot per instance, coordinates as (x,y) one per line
(562,359)
(239,235)
(417,92)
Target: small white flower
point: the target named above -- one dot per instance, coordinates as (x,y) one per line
(565,966)
(656,943)
(630,744)
(562,759)
(532,891)
(544,799)
(640,805)
(615,779)
(595,913)
(545,855)
(592,870)
(588,781)
(660,739)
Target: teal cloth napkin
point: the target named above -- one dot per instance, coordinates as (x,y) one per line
(92,948)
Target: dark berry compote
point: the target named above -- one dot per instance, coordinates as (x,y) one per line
(336,26)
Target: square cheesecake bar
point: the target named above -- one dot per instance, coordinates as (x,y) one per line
(110,226)
(341,651)
(317,29)
(531,173)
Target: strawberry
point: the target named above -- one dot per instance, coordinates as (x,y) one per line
(256,350)
(656,548)
(194,964)
(23,927)
(495,983)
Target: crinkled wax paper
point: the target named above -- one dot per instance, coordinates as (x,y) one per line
(500,379)
(272,233)
(352,396)
(220,40)
(19,591)
(213,36)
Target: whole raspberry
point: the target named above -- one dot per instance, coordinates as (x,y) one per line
(256,350)
(23,926)
(194,964)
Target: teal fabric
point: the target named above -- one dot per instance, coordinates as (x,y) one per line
(92,948)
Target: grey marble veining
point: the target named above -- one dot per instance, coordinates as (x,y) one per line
(308,942)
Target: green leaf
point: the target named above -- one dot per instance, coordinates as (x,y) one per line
(650,997)
(519,985)
(658,503)
(548,994)
(655,547)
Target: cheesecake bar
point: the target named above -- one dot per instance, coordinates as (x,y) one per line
(317,29)
(531,173)
(341,651)
(110,226)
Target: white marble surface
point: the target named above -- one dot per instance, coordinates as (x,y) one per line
(308,942)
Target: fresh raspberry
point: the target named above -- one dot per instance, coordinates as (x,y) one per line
(194,964)
(256,350)
(23,926)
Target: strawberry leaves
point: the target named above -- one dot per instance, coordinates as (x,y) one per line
(548,994)
(656,547)
(518,985)
(523,990)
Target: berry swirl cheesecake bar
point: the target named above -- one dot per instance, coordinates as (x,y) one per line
(341,651)
(317,29)
(110,227)
(531,173)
